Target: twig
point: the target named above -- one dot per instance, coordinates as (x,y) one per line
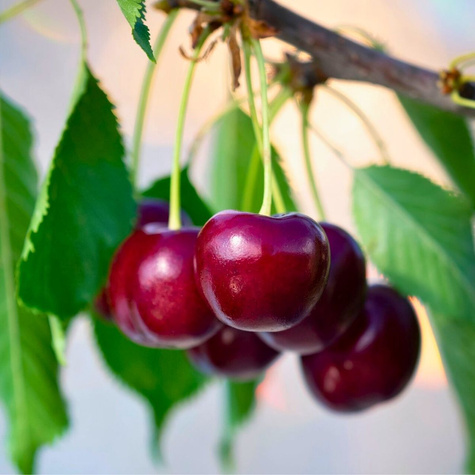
(340,58)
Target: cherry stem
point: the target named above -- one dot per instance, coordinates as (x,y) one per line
(372,131)
(460,60)
(262,134)
(266,146)
(336,151)
(209,124)
(81,74)
(145,94)
(361,35)
(174,221)
(462,100)
(304,108)
(274,108)
(82,27)
(16,9)
(207,5)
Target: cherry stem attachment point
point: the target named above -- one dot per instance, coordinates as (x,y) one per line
(145,94)
(304,109)
(174,221)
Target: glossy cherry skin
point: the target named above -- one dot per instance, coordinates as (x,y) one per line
(373,360)
(151,210)
(233,354)
(341,301)
(152,290)
(261,273)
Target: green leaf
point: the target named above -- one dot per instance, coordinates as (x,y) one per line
(164,378)
(240,404)
(28,368)
(457,344)
(419,235)
(191,201)
(448,136)
(134,12)
(84,212)
(237,176)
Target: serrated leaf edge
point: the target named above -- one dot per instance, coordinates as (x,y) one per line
(466,284)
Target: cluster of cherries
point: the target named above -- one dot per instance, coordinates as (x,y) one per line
(246,287)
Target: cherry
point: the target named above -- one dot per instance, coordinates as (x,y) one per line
(102,306)
(153,210)
(339,304)
(373,360)
(150,210)
(153,293)
(234,354)
(261,273)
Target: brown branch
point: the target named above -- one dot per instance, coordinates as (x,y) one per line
(340,58)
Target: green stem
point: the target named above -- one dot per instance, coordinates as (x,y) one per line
(279,101)
(82,27)
(145,94)
(252,103)
(16,9)
(308,161)
(246,204)
(207,126)
(263,141)
(336,151)
(175,218)
(374,134)
(455,96)
(279,202)
(274,108)
(82,70)
(208,5)
(251,179)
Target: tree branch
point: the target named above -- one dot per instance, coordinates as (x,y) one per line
(340,58)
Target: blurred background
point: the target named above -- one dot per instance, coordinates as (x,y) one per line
(420,431)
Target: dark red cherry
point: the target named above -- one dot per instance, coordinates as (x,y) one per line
(373,360)
(341,301)
(233,354)
(153,210)
(153,293)
(261,273)
(150,210)
(102,306)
